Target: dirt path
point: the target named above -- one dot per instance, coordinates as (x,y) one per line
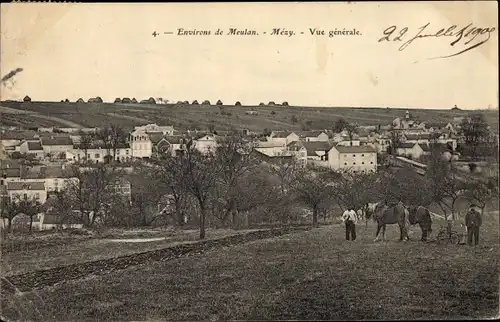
(9,110)
(56,119)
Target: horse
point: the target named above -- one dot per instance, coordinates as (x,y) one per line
(360,214)
(421,216)
(387,215)
(369,210)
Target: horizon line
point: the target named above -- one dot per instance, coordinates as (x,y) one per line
(266,105)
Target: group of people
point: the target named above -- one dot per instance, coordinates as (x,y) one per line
(473,222)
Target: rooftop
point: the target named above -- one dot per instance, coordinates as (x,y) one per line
(27,185)
(10,173)
(312,147)
(57,140)
(355,149)
(35,146)
(420,136)
(406,145)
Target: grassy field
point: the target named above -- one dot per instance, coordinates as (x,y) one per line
(56,250)
(201,117)
(308,275)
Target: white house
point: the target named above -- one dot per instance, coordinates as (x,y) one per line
(317,152)
(53,221)
(54,178)
(15,138)
(353,158)
(56,145)
(140,144)
(98,153)
(206,143)
(27,190)
(154,128)
(33,147)
(416,138)
(171,145)
(313,136)
(283,137)
(410,150)
(298,156)
(46,221)
(382,144)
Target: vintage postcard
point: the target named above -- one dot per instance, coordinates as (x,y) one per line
(249,161)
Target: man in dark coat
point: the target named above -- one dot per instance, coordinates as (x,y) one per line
(473,222)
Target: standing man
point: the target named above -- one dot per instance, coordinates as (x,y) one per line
(473,222)
(350,219)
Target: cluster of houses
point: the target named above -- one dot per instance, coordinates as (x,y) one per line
(356,152)
(40,183)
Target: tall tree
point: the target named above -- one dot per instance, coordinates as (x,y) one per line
(118,138)
(311,189)
(86,141)
(147,192)
(482,193)
(62,204)
(354,190)
(113,136)
(10,208)
(395,141)
(200,176)
(234,159)
(92,191)
(342,125)
(445,187)
(171,173)
(474,130)
(31,208)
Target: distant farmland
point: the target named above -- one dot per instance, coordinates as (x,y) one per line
(221,117)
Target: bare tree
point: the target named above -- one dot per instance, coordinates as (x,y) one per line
(234,159)
(61,204)
(147,191)
(443,184)
(86,141)
(354,190)
(395,141)
(91,191)
(171,174)
(31,208)
(482,193)
(475,131)
(311,189)
(118,138)
(200,175)
(10,209)
(342,125)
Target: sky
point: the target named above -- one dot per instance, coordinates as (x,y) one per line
(107,50)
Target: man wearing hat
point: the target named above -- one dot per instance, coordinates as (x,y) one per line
(473,222)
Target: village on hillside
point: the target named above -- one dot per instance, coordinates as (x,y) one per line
(36,164)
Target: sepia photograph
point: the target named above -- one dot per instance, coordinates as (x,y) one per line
(251,161)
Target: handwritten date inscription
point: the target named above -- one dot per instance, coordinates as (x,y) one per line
(466,38)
